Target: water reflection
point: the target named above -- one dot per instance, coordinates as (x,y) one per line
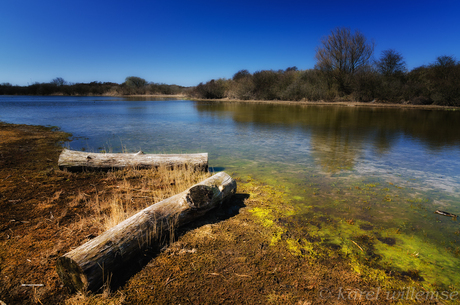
(341,135)
(334,150)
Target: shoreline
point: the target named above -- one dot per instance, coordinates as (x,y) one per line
(255,242)
(278,102)
(336,103)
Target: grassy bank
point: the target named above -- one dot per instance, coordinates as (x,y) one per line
(254,249)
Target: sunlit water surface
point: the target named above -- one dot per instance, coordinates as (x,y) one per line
(376,172)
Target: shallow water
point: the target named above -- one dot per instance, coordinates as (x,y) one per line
(376,172)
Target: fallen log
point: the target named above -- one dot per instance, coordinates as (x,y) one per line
(73,160)
(91,264)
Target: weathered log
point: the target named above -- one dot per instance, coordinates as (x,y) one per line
(88,266)
(79,160)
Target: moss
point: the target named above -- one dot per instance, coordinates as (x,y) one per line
(293,246)
(264,215)
(276,236)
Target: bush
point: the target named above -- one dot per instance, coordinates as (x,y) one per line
(420,100)
(438,83)
(214,89)
(365,85)
(154,88)
(242,88)
(319,86)
(242,74)
(265,85)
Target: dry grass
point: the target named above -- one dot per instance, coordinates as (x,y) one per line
(105,298)
(133,190)
(130,191)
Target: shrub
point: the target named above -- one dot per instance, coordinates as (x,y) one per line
(365,85)
(214,89)
(242,88)
(438,83)
(265,85)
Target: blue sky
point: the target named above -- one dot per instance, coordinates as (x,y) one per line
(188,42)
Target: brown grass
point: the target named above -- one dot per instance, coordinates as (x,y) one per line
(133,190)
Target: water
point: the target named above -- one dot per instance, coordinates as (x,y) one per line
(377,172)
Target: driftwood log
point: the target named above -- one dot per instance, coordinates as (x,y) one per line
(79,160)
(91,264)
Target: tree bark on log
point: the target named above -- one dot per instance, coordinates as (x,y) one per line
(88,266)
(79,160)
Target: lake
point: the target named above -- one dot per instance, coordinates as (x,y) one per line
(375,172)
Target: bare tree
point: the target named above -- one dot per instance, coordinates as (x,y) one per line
(343,53)
(445,61)
(391,63)
(59,81)
(445,67)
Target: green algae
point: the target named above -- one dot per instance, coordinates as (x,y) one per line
(401,233)
(265,216)
(334,207)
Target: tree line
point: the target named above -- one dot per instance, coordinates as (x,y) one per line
(345,70)
(58,86)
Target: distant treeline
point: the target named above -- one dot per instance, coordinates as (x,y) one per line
(345,70)
(58,86)
(435,84)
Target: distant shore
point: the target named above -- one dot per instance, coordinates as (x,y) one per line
(178,96)
(334,103)
(311,103)
(343,103)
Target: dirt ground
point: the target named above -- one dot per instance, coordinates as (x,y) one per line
(252,250)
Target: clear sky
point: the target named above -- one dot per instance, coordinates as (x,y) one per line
(186,42)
